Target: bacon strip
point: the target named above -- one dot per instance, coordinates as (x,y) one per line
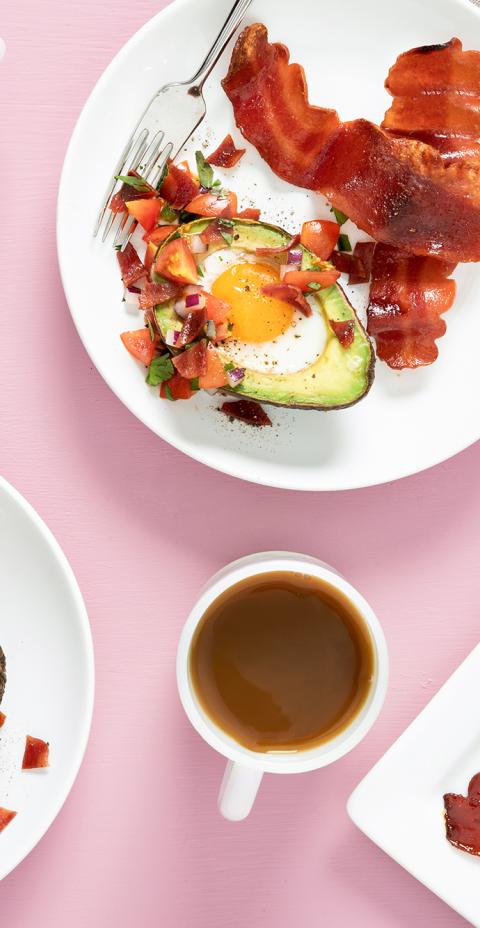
(270,101)
(436,91)
(408,294)
(398,190)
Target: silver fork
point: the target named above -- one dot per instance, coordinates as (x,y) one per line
(172,116)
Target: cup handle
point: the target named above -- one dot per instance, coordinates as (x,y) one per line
(238,791)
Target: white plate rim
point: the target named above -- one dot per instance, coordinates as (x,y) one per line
(84,627)
(309,483)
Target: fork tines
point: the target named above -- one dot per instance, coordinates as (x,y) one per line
(148,159)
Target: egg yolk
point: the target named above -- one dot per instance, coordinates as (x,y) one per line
(254,316)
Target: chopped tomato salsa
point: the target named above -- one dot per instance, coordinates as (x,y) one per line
(6,816)
(131,268)
(140,345)
(226,155)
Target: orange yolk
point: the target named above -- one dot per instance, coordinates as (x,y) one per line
(254,316)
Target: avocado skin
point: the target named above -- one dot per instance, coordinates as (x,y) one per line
(250,234)
(3,674)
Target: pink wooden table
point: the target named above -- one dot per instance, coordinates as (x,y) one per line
(140,842)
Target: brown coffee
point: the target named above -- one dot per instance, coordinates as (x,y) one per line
(282,662)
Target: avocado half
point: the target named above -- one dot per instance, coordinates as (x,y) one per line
(339,377)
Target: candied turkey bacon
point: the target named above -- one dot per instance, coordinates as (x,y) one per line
(398,190)
(270,102)
(462,818)
(408,294)
(402,193)
(36,754)
(436,91)
(227,155)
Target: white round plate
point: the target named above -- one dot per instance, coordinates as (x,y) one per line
(45,635)
(409,421)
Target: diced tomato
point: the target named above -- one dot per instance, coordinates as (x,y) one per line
(117,203)
(226,155)
(207,204)
(216,375)
(344,330)
(6,816)
(217,310)
(146,212)
(193,361)
(2,719)
(246,411)
(212,234)
(179,387)
(153,294)
(131,268)
(159,234)
(140,345)
(36,753)
(320,236)
(175,261)
(303,279)
(179,186)
(249,213)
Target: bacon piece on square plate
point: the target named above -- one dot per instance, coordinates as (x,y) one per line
(270,102)
(36,754)
(408,294)
(462,818)
(399,190)
(436,98)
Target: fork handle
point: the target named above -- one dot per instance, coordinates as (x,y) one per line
(233,19)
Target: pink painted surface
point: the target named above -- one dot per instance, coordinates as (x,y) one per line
(139,842)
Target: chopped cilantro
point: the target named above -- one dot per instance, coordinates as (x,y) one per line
(169,214)
(168,392)
(200,271)
(229,367)
(339,216)
(160,369)
(194,383)
(343,243)
(217,183)
(138,183)
(228,223)
(162,176)
(117,247)
(205,171)
(314,285)
(227,236)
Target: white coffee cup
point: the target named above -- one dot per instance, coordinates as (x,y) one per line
(245,768)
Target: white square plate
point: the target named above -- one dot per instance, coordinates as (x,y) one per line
(399,804)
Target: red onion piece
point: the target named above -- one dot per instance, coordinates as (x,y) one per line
(285,268)
(192,299)
(211,329)
(180,309)
(294,257)
(236,376)
(172,337)
(278,249)
(133,289)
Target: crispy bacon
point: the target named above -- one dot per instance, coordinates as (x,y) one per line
(344,331)
(270,101)
(192,327)
(289,294)
(131,268)
(226,155)
(193,361)
(436,91)
(398,190)
(408,294)
(246,411)
(153,294)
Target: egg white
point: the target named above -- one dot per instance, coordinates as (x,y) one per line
(299,346)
